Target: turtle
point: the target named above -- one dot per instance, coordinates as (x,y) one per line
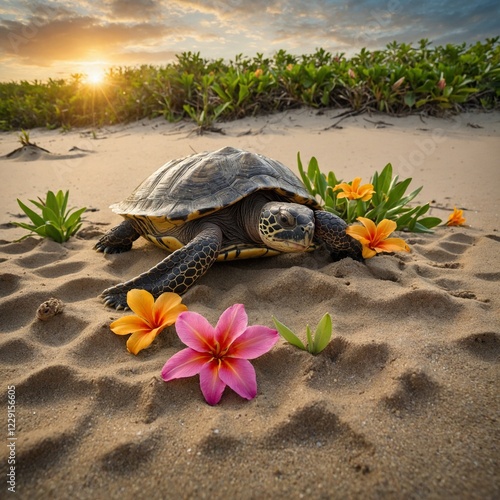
(216,206)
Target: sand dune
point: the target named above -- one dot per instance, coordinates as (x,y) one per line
(403,403)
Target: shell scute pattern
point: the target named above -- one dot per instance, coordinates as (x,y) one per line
(203,183)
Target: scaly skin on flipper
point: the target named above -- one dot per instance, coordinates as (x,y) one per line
(331,230)
(118,239)
(176,273)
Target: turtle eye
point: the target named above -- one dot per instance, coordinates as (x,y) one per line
(285,219)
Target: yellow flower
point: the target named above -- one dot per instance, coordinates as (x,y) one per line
(258,73)
(374,238)
(354,191)
(150,317)
(456,218)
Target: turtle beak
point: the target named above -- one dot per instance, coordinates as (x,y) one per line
(301,238)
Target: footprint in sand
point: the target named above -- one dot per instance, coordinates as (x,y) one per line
(348,366)
(57,444)
(485,346)
(60,269)
(43,396)
(17,351)
(217,446)
(61,330)
(9,283)
(315,428)
(413,390)
(130,456)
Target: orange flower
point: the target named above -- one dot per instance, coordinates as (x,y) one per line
(150,317)
(456,218)
(374,238)
(354,191)
(258,73)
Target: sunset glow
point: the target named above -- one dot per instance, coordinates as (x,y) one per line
(44,39)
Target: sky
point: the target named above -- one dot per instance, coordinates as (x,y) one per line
(41,39)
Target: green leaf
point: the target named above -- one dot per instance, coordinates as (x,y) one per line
(38,204)
(52,204)
(62,200)
(412,195)
(243,94)
(430,222)
(49,215)
(29,227)
(312,168)
(303,175)
(288,335)
(35,218)
(323,334)
(320,183)
(384,179)
(54,232)
(397,192)
(74,218)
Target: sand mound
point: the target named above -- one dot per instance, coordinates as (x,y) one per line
(32,152)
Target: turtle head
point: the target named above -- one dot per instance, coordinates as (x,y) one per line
(287,227)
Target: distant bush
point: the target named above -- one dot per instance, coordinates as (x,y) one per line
(400,79)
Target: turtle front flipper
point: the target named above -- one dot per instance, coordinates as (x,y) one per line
(176,273)
(331,230)
(118,239)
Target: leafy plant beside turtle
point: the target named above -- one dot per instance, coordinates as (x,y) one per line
(383,198)
(55,221)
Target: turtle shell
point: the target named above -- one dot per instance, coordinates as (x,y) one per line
(191,187)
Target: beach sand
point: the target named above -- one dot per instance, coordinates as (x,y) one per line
(403,403)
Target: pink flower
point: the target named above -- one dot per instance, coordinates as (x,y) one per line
(220,355)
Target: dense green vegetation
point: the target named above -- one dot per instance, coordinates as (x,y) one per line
(400,79)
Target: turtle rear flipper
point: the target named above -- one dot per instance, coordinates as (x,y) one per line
(118,239)
(176,273)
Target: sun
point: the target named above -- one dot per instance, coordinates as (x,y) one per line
(95,76)
(94,72)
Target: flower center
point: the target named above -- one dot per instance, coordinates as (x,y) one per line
(218,352)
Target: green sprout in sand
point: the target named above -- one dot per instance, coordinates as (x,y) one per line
(55,221)
(314,344)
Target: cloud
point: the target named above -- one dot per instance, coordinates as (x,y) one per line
(135,10)
(71,38)
(136,31)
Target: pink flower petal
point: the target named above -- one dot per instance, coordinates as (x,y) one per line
(195,331)
(253,342)
(185,363)
(239,374)
(232,323)
(211,385)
